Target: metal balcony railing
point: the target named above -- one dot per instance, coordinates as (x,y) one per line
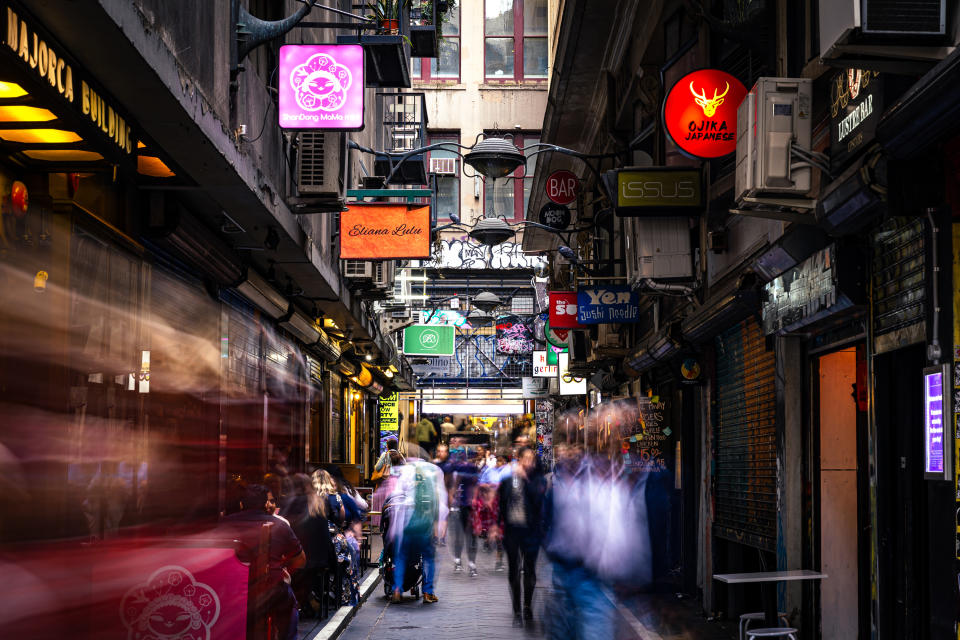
(404,128)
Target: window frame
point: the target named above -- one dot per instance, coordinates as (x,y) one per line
(518,177)
(518,36)
(426,72)
(441,137)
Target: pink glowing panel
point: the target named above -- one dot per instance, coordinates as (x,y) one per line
(321,87)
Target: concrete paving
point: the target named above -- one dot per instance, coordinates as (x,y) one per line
(479,609)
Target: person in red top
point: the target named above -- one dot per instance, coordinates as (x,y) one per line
(285,555)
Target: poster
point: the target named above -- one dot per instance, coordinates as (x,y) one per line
(514,337)
(389,412)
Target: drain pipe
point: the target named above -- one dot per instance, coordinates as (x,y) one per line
(666,288)
(933,349)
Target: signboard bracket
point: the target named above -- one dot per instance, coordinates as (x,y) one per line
(410,194)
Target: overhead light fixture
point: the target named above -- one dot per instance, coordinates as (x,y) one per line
(368,357)
(495,157)
(258,291)
(62,155)
(300,325)
(486,301)
(491,231)
(11,90)
(41,136)
(23,113)
(153,167)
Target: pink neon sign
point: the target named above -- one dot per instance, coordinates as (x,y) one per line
(321,86)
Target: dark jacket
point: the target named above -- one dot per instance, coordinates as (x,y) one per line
(533,490)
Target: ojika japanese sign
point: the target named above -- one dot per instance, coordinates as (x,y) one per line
(389,412)
(428,340)
(608,304)
(700,113)
(321,87)
(384,231)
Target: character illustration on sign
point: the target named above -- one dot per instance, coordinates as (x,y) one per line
(170,605)
(320,84)
(847,86)
(710,105)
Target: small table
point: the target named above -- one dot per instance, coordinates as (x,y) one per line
(769,578)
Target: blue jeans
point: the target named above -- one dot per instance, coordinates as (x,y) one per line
(578,610)
(410,547)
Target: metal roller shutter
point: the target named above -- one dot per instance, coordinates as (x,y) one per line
(746,450)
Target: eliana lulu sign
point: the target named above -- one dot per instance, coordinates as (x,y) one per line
(384,232)
(700,113)
(428,340)
(607,305)
(321,87)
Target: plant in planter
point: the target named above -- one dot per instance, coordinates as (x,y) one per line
(426,25)
(387,14)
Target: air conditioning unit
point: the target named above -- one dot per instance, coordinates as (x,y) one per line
(657,248)
(773,140)
(444,166)
(861,33)
(383,274)
(357,269)
(319,170)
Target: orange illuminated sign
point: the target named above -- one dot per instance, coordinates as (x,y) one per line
(700,113)
(384,232)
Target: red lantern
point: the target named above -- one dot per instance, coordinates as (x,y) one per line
(19,199)
(700,113)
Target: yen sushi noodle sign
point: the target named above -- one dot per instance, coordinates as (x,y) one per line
(321,87)
(384,232)
(428,340)
(700,113)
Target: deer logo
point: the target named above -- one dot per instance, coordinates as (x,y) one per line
(709,105)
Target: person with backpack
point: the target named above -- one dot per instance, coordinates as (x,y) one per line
(420,497)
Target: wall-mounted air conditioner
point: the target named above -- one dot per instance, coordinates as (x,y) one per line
(882,35)
(319,167)
(357,269)
(657,248)
(773,139)
(444,166)
(383,274)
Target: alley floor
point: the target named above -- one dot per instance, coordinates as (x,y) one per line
(479,608)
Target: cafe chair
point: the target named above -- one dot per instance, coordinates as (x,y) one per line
(747,618)
(772,632)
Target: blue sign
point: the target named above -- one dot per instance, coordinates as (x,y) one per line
(607,305)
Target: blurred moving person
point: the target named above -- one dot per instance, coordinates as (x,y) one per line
(285,555)
(462,475)
(426,433)
(420,500)
(520,498)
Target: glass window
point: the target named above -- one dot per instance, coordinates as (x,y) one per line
(499,19)
(534,57)
(448,187)
(515,45)
(415,68)
(447,64)
(499,197)
(499,57)
(535,17)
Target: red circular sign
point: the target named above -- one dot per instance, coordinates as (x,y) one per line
(562,187)
(700,113)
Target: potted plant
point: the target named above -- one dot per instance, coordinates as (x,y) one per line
(387,14)
(426,25)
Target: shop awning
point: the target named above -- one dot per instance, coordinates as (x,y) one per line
(928,113)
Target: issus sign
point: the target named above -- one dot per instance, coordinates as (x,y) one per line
(700,113)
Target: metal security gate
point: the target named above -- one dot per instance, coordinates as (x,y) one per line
(745,483)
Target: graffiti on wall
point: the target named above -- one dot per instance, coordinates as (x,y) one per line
(460,254)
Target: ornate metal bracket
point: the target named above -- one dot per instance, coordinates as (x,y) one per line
(251,31)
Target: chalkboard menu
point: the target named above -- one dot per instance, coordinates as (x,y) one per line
(899,284)
(646,448)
